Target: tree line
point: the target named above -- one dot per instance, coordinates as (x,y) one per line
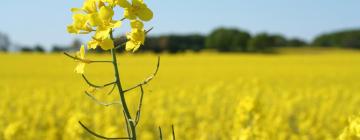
(221,39)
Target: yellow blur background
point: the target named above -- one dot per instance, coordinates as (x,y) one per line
(296,94)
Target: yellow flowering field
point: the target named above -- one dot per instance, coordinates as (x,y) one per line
(207,96)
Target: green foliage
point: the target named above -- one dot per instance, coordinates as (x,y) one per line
(58,48)
(154,44)
(277,41)
(39,48)
(264,42)
(346,39)
(227,39)
(26,49)
(221,39)
(175,43)
(295,42)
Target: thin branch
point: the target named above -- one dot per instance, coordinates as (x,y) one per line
(138,112)
(96,86)
(85,60)
(147,80)
(160,133)
(112,89)
(127,124)
(99,102)
(147,31)
(122,95)
(173,131)
(119,46)
(98,135)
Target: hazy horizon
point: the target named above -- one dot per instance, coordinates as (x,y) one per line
(44,22)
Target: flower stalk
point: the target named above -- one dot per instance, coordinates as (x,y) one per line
(97,16)
(122,96)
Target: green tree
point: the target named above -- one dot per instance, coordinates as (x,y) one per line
(346,39)
(39,48)
(175,43)
(153,44)
(265,42)
(228,39)
(296,42)
(277,40)
(260,43)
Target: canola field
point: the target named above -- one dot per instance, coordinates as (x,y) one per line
(207,96)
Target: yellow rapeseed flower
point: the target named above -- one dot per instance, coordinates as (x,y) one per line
(354,126)
(79,24)
(82,16)
(101,38)
(105,44)
(123,3)
(111,3)
(136,37)
(103,18)
(90,6)
(136,9)
(81,55)
(95,13)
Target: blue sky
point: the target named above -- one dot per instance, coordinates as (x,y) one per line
(44,21)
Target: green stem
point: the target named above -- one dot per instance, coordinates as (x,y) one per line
(122,96)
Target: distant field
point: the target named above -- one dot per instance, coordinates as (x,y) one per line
(207,96)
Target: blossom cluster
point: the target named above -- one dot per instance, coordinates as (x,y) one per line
(97,16)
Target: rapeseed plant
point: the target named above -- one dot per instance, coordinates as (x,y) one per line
(352,131)
(97,16)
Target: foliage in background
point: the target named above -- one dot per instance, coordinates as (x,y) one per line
(225,40)
(232,40)
(345,39)
(175,43)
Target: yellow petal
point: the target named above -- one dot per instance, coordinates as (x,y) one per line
(92,44)
(129,14)
(74,10)
(137,36)
(107,44)
(123,3)
(136,47)
(89,6)
(137,2)
(72,29)
(80,21)
(106,13)
(95,19)
(108,1)
(82,52)
(101,4)
(130,45)
(104,1)
(102,33)
(116,24)
(145,14)
(80,68)
(136,24)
